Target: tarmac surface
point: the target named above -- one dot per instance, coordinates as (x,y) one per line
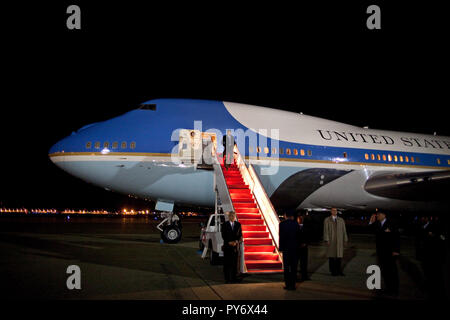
(123,258)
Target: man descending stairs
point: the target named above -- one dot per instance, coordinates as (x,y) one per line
(259,251)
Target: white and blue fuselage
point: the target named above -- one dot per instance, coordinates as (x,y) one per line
(316,163)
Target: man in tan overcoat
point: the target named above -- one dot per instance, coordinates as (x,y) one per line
(335,234)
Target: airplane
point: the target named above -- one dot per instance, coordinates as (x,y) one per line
(302,162)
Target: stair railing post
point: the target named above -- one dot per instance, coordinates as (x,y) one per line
(242,268)
(216,194)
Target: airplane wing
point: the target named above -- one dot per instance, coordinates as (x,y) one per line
(415,186)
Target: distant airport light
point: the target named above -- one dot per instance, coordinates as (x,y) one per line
(72,211)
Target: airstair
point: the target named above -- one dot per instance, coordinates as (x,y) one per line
(239,189)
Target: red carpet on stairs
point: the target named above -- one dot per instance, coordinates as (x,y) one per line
(259,250)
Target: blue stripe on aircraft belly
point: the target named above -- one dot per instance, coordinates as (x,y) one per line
(296,188)
(273,181)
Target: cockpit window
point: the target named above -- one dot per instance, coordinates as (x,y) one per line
(150,106)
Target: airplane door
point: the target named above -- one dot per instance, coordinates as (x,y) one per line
(196,147)
(190,146)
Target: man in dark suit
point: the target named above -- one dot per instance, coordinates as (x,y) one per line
(432,243)
(228,149)
(388,249)
(303,248)
(232,236)
(289,242)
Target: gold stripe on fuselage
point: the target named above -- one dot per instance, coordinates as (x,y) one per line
(140,154)
(145,154)
(349,163)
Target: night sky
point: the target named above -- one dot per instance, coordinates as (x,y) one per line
(317,58)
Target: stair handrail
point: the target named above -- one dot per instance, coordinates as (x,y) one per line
(268,211)
(265,205)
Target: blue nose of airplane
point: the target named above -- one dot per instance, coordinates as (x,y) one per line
(68,145)
(57,147)
(74,142)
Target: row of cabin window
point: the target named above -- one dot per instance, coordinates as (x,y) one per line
(115,145)
(288,151)
(390,158)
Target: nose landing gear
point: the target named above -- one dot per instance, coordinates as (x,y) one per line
(170,227)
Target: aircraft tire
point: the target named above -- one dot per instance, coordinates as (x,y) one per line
(171,234)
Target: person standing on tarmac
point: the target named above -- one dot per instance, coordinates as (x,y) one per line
(335,235)
(388,249)
(232,236)
(289,231)
(303,248)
